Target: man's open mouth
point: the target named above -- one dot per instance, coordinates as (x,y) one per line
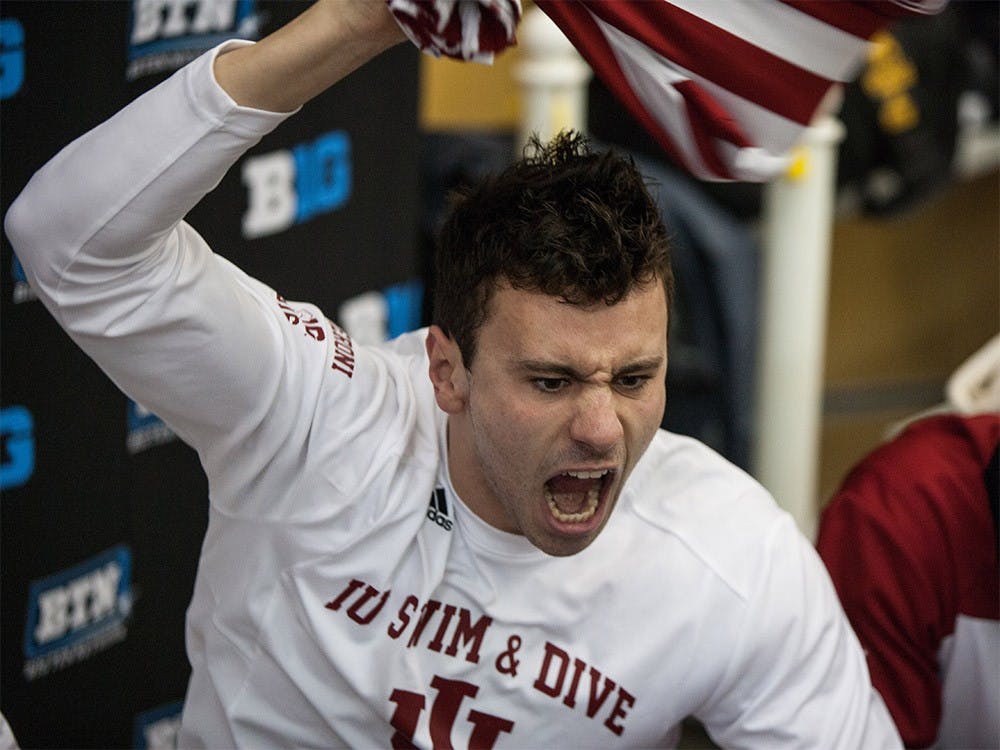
(574,496)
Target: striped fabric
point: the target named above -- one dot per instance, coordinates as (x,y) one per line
(725,86)
(469,30)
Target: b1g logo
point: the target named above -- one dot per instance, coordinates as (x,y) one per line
(375,317)
(292,186)
(18,444)
(145,429)
(78,612)
(11,57)
(166,34)
(22,289)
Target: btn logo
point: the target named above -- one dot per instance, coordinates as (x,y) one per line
(293,186)
(11,57)
(166,34)
(78,612)
(17,432)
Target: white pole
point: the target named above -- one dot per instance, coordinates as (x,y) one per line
(797,229)
(553,79)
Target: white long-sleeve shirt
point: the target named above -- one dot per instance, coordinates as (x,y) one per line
(345,595)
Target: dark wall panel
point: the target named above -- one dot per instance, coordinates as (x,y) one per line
(102,507)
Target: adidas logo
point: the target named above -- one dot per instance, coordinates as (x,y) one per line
(438,510)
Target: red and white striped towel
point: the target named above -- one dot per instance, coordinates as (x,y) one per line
(725,86)
(470,30)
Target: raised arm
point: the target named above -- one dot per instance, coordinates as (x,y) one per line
(308,55)
(100,234)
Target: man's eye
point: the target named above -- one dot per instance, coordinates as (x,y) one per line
(632,382)
(549,385)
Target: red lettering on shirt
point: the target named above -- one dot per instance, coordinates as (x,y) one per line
(456,632)
(311,326)
(551,681)
(343,352)
(444,715)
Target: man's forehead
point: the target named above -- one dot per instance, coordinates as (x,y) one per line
(534,327)
(509,302)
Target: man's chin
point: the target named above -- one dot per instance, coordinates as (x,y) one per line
(560,539)
(563,547)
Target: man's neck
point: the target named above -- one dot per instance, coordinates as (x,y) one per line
(466,476)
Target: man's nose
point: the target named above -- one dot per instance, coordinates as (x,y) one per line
(596,422)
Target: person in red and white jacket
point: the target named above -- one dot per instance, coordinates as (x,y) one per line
(910,540)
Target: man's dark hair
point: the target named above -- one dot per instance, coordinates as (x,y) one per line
(565,221)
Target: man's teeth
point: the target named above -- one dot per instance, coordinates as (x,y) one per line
(589,508)
(597,474)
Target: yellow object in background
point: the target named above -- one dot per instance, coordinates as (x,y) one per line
(799,167)
(889,78)
(469,96)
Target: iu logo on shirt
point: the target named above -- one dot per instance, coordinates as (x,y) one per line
(444,713)
(438,510)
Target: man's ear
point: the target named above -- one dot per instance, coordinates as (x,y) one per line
(447,371)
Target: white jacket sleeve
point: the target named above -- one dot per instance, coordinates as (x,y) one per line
(797,676)
(99,233)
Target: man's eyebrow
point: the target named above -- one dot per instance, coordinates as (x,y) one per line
(544,367)
(641,365)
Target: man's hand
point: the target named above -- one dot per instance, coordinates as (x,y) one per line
(305,57)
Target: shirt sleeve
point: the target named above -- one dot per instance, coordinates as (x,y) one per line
(797,676)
